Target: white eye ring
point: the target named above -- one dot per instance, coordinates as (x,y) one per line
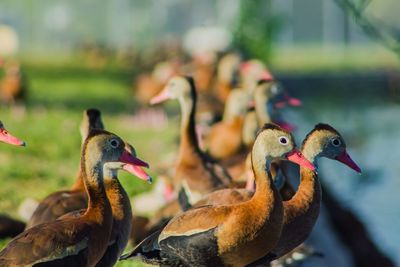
(336,142)
(283,140)
(114,143)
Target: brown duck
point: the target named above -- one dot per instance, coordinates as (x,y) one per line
(76,241)
(233,234)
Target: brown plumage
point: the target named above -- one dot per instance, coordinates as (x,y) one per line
(225,138)
(227,75)
(62,202)
(73,241)
(13,87)
(228,235)
(148,85)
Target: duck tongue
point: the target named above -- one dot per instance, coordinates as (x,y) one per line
(346,159)
(133,165)
(297,157)
(138,171)
(6,137)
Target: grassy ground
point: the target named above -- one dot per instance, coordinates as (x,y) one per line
(57,98)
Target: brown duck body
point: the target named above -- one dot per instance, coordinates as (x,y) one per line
(225,138)
(59,203)
(13,87)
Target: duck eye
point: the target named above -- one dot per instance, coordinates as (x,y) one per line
(114,143)
(283,140)
(336,142)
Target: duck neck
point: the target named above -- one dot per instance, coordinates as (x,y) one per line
(119,199)
(309,190)
(188,129)
(97,198)
(266,193)
(262,111)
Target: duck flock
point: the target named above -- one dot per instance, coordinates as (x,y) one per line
(227,199)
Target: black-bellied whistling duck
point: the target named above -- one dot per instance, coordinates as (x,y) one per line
(62,202)
(251,72)
(148,85)
(229,235)
(302,209)
(194,172)
(13,86)
(120,207)
(225,138)
(77,241)
(227,75)
(9,227)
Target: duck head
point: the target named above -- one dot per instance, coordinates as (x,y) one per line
(273,143)
(6,137)
(237,103)
(325,141)
(178,87)
(107,150)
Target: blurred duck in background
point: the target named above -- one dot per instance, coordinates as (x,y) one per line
(13,86)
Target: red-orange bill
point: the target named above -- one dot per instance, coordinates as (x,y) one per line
(347,160)
(297,157)
(6,137)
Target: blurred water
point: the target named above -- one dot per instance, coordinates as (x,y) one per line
(371,129)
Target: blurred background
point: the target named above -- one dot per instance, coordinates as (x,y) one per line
(340,57)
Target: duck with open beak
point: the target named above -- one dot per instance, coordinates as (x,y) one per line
(6,137)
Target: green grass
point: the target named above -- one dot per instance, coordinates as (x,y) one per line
(57,97)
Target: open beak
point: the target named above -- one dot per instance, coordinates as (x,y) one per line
(161,97)
(133,165)
(6,137)
(298,158)
(346,159)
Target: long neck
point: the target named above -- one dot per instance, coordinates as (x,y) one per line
(266,193)
(309,190)
(262,111)
(119,199)
(188,132)
(98,203)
